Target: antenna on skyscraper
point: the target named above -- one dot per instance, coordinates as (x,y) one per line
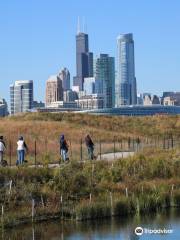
(83,24)
(78,26)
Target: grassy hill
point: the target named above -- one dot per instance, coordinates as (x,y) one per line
(76,126)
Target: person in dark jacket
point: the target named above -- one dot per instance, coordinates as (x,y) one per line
(63,148)
(90,147)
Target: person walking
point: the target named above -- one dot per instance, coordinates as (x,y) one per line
(21,148)
(2,149)
(90,146)
(64,148)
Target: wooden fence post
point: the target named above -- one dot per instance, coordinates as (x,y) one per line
(121,144)
(100,149)
(10,152)
(10,186)
(114,141)
(164,143)
(172,142)
(111,203)
(42,201)
(172,198)
(90,197)
(81,157)
(35,153)
(33,234)
(142,189)
(129,143)
(172,189)
(126,192)
(137,206)
(33,210)
(62,210)
(70,149)
(2,214)
(46,143)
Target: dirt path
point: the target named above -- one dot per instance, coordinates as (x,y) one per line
(103,157)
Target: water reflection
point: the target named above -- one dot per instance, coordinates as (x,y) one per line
(117,229)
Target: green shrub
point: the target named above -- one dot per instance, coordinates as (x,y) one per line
(93,210)
(150,203)
(176,196)
(122,207)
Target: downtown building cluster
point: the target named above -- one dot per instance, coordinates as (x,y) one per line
(98,84)
(95,85)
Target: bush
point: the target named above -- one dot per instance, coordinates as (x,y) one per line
(122,207)
(93,210)
(150,203)
(176,195)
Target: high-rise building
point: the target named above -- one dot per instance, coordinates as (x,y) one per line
(105,73)
(54,90)
(21,96)
(64,75)
(126,92)
(84,60)
(3,108)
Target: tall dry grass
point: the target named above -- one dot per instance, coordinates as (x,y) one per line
(45,129)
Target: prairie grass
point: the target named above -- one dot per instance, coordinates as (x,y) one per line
(145,182)
(112,132)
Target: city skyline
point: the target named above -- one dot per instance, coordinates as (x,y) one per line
(24,58)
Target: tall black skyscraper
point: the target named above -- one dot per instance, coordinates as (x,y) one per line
(84,60)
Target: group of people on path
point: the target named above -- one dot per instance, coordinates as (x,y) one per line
(64,148)
(21,150)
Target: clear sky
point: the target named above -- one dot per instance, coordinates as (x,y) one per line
(37,38)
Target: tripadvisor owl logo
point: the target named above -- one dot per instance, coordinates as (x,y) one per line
(139,231)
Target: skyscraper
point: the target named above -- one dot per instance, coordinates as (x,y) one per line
(84,60)
(126,92)
(105,73)
(64,75)
(3,108)
(54,90)
(21,96)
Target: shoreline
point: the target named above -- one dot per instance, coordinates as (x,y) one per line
(45,218)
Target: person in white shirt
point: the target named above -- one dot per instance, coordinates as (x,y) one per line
(21,148)
(2,149)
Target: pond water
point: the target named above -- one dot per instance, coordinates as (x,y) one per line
(116,229)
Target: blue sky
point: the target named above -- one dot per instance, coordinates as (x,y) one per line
(37,38)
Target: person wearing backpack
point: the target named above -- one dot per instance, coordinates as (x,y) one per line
(2,149)
(63,148)
(21,148)
(90,147)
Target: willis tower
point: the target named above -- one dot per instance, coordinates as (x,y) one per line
(84,60)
